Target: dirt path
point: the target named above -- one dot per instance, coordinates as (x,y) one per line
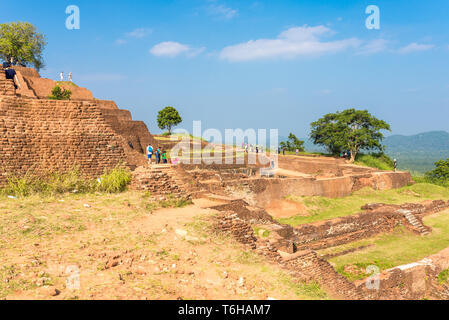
(117,249)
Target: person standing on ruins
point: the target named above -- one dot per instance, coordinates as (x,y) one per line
(70,77)
(11,75)
(61,75)
(395,165)
(158,155)
(150,153)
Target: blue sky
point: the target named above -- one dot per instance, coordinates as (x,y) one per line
(254,64)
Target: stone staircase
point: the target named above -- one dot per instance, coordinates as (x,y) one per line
(310,267)
(162,181)
(422,229)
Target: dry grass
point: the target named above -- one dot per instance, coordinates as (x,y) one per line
(41,237)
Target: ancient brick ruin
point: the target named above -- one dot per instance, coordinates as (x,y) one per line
(293,248)
(38,134)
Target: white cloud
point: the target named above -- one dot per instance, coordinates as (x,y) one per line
(294,42)
(222,11)
(374,46)
(172,49)
(414,47)
(120,42)
(139,33)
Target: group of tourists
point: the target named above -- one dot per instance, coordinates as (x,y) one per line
(61,76)
(160,156)
(11,74)
(252,148)
(345,155)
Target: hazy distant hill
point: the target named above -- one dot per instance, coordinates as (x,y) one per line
(418,152)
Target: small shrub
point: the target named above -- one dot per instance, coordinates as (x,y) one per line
(376,160)
(115,180)
(19,186)
(443,276)
(440,175)
(112,181)
(60,94)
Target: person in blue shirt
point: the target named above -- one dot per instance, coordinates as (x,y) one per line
(11,75)
(150,153)
(158,155)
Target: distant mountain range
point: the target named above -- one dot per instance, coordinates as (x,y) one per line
(417,153)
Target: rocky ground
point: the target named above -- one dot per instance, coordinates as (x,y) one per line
(129,247)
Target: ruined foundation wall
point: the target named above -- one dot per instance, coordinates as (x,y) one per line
(416,280)
(263,191)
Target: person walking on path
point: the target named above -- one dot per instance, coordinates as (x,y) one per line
(61,75)
(70,77)
(164,157)
(395,165)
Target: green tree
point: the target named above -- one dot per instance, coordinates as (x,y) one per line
(168,118)
(59,94)
(350,130)
(441,172)
(21,43)
(292,144)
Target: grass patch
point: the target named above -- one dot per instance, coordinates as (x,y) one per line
(395,249)
(69,83)
(115,180)
(171,202)
(112,181)
(321,208)
(261,232)
(443,276)
(379,161)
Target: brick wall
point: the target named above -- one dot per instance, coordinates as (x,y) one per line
(38,135)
